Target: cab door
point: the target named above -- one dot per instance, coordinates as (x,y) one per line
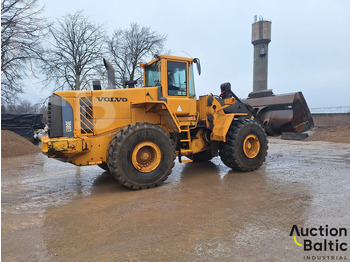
(180,87)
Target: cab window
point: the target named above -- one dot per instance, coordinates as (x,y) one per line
(177,78)
(192,92)
(152,74)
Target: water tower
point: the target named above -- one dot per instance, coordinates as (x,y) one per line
(261,37)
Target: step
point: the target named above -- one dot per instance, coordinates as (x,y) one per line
(185,151)
(187,161)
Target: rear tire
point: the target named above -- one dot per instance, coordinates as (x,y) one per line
(141,156)
(246,146)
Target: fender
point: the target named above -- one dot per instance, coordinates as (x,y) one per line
(222,123)
(162,109)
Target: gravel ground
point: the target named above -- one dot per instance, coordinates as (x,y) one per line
(54,211)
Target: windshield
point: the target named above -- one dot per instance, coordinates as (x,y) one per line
(152,74)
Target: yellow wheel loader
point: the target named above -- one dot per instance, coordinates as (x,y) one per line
(136,133)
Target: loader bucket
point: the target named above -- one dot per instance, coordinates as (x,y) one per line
(281,113)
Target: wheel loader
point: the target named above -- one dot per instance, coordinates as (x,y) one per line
(136,133)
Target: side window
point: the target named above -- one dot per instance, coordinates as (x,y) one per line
(152,74)
(177,79)
(192,92)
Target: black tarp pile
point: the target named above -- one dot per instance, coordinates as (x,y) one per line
(22,124)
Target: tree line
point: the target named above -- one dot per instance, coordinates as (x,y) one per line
(69,51)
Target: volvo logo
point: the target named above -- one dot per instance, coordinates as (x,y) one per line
(112,99)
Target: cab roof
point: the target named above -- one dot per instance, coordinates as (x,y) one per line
(170,57)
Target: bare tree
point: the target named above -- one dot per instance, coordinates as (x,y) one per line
(75,56)
(129,47)
(21,107)
(22,32)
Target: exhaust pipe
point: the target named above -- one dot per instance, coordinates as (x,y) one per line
(110,74)
(281,113)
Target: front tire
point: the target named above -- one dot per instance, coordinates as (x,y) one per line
(246,146)
(141,156)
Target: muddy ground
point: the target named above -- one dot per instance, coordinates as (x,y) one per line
(53,211)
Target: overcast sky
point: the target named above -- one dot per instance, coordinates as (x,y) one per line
(309,51)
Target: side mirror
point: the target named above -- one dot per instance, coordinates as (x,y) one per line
(196,60)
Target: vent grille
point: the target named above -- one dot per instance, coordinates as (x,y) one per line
(49,118)
(86,115)
(55,116)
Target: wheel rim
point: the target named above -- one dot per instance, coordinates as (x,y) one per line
(146,157)
(251,146)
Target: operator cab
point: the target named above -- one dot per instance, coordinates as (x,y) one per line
(174,77)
